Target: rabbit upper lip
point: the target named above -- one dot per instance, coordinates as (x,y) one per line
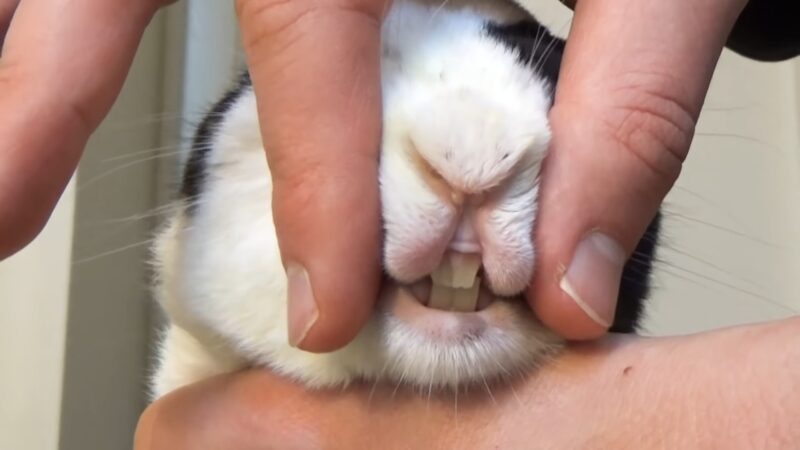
(465,246)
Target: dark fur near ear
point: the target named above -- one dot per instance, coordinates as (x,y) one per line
(195,172)
(534,44)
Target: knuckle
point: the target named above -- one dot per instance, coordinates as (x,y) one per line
(277,23)
(81,116)
(304,170)
(312,193)
(299,181)
(654,128)
(657,132)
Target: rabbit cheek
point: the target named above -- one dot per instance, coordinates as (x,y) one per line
(416,234)
(506,236)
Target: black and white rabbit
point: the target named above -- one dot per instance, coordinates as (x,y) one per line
(466,93)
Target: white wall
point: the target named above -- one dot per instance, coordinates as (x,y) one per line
(732,229)
(213,58)
(34,286)
(109,319)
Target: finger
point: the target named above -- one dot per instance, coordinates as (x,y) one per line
(247,410)
(62,66)
(7,8)
(632,83)
(316,71)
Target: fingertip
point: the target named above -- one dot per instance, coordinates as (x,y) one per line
(332,333)
(21,218)
(560,313)
(343,302)
(329,232)
(332,265)
(16,233)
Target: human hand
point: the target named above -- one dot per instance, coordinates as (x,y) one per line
(63,64)
(633,80)
(315,67)
(737,387)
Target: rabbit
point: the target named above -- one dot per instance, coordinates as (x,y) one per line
(466,95)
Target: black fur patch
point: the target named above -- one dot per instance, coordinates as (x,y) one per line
(635,286)
(535,45)
(195,172)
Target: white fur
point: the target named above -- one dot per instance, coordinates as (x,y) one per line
(454,99)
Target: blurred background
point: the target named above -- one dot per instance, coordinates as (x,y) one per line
(77,320)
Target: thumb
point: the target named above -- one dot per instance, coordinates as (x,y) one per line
(632,83)
(315,69)
(598,197)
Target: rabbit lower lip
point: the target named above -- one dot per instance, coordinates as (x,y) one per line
(402,303)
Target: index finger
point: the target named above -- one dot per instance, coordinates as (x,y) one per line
(316,72)
(62,66)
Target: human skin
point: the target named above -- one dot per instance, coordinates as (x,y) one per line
(735,388)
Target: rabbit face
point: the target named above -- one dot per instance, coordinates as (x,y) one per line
(465,132)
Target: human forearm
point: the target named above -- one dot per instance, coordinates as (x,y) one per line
(734,388)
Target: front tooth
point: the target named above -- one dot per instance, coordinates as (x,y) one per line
(441,297)
(455,284)
(464,267)
(466,300)
(457,270)
(443,275)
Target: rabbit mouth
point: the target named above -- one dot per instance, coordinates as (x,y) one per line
(455,285)
(410,304)
(454,288)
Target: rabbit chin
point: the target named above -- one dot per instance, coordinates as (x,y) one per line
(444,349)
(408,343)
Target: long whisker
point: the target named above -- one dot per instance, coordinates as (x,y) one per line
(488,389)
(713,266)
(550,47)
(439,9)
(687,275)
(726,230)
(111,252)
(742,137)
(129,155)
(108,173)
